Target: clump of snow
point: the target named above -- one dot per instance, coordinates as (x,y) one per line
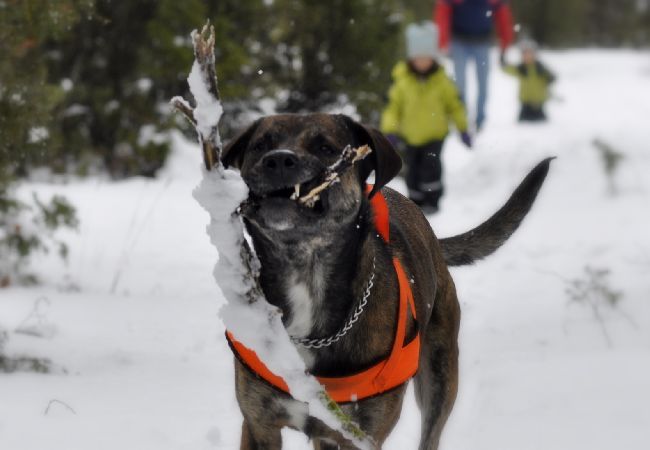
(149,134)
(208,109)
(144,85)
(38,134)
(67,84)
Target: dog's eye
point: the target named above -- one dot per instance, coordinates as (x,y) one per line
(328,149)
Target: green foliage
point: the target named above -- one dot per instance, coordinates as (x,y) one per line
(593,291)
(109,100)
(322,50)
(563,23)
(345,420)
(85,83)
(611,159)
(27,98)
(27,229)
(3,340)
(24,364)
(126,60)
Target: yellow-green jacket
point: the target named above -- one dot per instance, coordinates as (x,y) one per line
(419,109)
(534,80)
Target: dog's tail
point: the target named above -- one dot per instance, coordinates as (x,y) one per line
(490,235)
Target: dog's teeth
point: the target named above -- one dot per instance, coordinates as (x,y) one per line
(312,202)
(296,192)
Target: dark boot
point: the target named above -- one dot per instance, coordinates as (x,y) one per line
(424,177)
(531,113)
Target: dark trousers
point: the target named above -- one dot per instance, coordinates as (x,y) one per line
(424,173)
(531,113)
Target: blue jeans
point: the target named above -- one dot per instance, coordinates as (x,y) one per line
(461,52)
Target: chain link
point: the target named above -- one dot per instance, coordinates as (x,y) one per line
(326,342)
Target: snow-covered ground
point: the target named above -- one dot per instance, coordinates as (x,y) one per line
(130,323)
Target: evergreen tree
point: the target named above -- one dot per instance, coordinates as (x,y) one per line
(123,64)
(563,23)
(324,49)
(28,136)
(27,98)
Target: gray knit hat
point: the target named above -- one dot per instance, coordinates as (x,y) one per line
(422,40)
(527,44)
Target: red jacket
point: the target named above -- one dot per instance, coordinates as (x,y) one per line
(473,20)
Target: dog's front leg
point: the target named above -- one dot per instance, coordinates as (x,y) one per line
(326,444)
(264,434)
(266,411)
(260,439)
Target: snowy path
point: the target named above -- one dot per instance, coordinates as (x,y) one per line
(143,365)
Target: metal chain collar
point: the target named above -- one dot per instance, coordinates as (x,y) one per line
(326,342)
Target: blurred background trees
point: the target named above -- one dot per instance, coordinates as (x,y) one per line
(602,23)
(84,84)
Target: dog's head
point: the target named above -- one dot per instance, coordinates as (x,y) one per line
(280,155)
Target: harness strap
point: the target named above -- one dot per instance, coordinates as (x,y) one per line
(396,361)
(398,368)
(381,214)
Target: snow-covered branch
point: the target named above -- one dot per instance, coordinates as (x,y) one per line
(247,314)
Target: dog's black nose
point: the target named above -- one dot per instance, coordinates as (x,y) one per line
(280,163)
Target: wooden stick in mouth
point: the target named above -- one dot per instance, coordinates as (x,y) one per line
(332,175)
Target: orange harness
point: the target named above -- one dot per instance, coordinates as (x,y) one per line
(395,370)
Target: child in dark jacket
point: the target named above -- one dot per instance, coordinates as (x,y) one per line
(534,81)
(422,103)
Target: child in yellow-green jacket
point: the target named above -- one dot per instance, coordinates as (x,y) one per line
(534,81)
(422,102)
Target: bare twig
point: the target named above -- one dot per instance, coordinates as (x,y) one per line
(37,314)
(58,402)
(184,108)
(333,173)
(611,159)
(204,54)
(203,42)
(595,292)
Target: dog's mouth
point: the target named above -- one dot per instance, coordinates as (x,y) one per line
(292,197)
(297,193)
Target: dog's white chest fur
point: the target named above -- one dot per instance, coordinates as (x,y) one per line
(302,305)
(301,322)
(304,293)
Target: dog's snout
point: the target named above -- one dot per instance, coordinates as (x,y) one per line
(279,160)
(280,165)
(281,169)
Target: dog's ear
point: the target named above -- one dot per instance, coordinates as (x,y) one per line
(233,153)
(384,159)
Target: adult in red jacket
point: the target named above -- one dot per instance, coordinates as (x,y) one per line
(465,28)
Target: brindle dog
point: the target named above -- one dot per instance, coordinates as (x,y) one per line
(317,261)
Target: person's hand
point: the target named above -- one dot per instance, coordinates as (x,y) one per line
(466,138)
(394,140)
